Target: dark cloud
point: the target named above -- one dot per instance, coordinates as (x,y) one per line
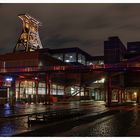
(59,40)
(72,25)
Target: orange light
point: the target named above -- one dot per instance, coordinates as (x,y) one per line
(135,93)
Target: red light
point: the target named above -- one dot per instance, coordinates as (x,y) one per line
(21,76)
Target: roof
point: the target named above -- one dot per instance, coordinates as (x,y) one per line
(69,50)
(19,58)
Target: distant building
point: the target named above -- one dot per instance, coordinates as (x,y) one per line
(114,50)
(133,49)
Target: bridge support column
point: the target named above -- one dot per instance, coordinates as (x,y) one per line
(48,86)
(138,97)
(109,90)
(64,91)
(80,78)
(138,100)
(105,99)
(13,91)
(121,96)
(36,97)
(124,96)
(18,97)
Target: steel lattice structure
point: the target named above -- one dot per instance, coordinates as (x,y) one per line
(29,39)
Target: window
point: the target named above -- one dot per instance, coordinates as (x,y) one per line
(81,59)
(41,91)
(41,88)
(70,57)
(57,89)
(58,56)
(89,63)
(60,90)
(101,62)
(53,89)
(41,85)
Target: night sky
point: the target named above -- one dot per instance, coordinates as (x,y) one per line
(72,25)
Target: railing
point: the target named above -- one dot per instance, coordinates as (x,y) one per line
(69,68)
(75,93)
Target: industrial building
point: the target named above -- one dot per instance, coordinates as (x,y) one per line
(33,74)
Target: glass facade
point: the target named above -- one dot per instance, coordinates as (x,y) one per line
(58,56)
(81,59)
(42,88)
(99,62)
(89,63)
(70,57)
(57,90)
(54,89)
(25,88)
(28,89)
(60,90)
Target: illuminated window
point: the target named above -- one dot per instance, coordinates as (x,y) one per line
(40,64)
(54,86)
(54,89)
(41,85)
(58,56)
(41,88)
(60,90)
(81,59)
(41,91)
(100,81)
(89,63)
(70,57)
(100,62)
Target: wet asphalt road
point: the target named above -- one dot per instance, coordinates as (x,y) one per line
(113,125)
(11,126)
(110,126)
(117,124)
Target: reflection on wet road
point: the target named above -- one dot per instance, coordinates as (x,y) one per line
(8,127)
(11,126)
(115,125)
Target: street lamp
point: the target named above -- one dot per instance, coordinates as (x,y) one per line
(102,80)
(135,94)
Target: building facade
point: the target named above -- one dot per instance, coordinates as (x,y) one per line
(114,50)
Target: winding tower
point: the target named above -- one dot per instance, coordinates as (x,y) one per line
(29,39)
